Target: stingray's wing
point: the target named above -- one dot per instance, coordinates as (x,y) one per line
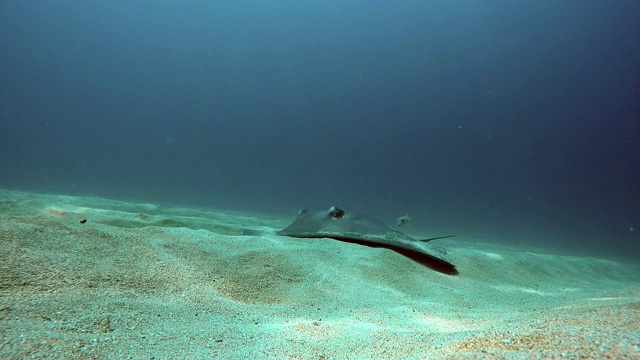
(389,242)
(361,230)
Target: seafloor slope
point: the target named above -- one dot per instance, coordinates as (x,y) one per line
(143,281)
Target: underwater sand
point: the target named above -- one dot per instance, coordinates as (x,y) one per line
(147,282)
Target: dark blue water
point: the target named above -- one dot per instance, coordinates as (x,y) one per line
(513,120)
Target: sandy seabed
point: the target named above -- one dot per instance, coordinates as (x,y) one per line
(140,281)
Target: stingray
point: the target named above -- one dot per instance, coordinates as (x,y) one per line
(337,224)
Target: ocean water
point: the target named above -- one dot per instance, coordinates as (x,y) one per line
(511,121)
(141,142)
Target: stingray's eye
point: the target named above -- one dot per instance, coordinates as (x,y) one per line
(336,212)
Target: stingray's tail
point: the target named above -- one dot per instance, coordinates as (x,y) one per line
(436,238)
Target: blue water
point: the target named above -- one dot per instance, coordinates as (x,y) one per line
(510,120)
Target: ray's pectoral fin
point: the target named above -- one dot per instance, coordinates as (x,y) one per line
(337,224)
(432,262)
